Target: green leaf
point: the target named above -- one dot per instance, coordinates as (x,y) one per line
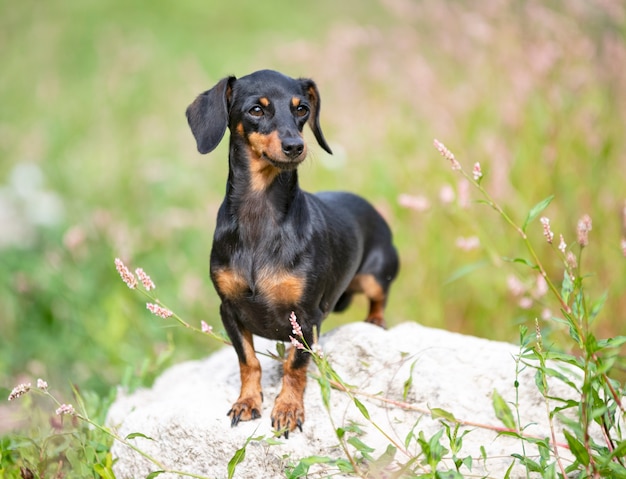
(438,413)
(280,349)
(360,446)
(536,211)
(103,472)
(523,261)
(503,411)
(362,408)
(577,448)
(133,435)
(154,474)
(567,288)
(409,382)
(237,458)
(597,306)
(465,270)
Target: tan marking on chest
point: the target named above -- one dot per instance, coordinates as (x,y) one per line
(230,283)
(280,287)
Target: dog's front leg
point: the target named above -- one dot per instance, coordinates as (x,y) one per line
(288,410)
(248,406)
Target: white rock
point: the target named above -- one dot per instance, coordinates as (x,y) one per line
(184,413)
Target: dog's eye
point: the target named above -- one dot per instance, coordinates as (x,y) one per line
(302,110)
(256,110)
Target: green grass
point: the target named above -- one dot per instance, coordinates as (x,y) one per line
(94,93)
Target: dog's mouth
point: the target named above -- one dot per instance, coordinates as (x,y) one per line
(286,163)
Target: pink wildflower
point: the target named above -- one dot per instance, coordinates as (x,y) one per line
(41,384)
(447,194)
(19,391)
(571,260)
(145,279)
(159,311)
(447,154)
(624,247)
(65,409)
(478,174)
(584,227)
(467,244)
(562,244)
(417,203)
(297,330)
(125,273)
(547,232)
(295,343)
(206,328)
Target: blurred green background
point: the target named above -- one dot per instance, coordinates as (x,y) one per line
(97,162)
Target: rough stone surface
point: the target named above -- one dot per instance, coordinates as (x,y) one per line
(184,413)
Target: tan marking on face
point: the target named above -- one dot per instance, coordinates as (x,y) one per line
(280,287)
(262,172)
(239,128)
(229,283)
(295,101)
(264,101)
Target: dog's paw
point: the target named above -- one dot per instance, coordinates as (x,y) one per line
(287,416)
(245,409)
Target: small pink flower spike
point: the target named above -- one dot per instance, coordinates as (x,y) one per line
(65,409)
(584,227)
(19,391)
(125,273)
(205,327)
(447,154)
(145,279)
(297,330)
(547,232)
(158,310)
(478,174)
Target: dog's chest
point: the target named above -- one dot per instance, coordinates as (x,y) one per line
(269,284)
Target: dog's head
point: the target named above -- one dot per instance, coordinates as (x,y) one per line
(266,109)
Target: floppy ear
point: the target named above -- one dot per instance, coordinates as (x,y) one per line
(314,120)
(208,115)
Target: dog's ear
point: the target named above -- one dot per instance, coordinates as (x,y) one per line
(208,115)
(313,95)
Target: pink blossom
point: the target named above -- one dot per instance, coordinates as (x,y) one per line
(125,273)
(65,409)
(295,343)
(297,330)
(624,247)
(447,154)
(41,384)
(446,194)
(145,279)
(478,174)
(571,260)
(417,203)
(206,328)
(547,232)
(584,227)
(562,244)
(158,310)
(19,391)
(467,244)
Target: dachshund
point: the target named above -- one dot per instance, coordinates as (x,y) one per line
(278,249)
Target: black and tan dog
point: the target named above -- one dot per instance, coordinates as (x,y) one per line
(276,248)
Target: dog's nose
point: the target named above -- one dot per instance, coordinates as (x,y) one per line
(293,148)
